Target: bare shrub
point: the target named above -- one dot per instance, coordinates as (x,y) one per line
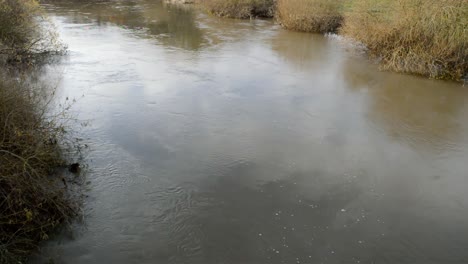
(25,31)
(33,200)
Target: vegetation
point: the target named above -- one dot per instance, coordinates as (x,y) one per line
(24,31)
(319,16)
(425,37)
(240,8)
(32,200)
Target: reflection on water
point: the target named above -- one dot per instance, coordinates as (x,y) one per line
(421,112)
(173,25)
(227,141)
(301,49)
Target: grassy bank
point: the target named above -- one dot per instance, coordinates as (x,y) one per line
(319,16)
(240,8)
(424,37)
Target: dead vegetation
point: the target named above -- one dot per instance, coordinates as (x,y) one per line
(317,16)
(25,32)
(424,37)
(240,8)
(33,198)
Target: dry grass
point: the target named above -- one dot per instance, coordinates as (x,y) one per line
(319,16)
(32,201)
(240,8)
(424,37)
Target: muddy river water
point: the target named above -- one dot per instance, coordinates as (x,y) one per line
(226,141)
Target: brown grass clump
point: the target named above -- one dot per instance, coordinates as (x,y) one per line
(32,201)
(240,8)
(424,37)
(318,16)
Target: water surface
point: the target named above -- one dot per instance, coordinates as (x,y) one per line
(227,141)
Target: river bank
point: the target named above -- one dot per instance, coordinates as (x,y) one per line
(34,199)
(426,38)
(33,177)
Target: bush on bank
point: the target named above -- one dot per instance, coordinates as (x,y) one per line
(24,31)
(33,199)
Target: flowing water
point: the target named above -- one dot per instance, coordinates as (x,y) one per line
(226,141)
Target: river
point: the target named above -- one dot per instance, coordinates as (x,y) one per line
(227,141)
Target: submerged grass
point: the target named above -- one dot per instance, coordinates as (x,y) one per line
(33,201)
(318,16)
(423,37)
(240,8)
